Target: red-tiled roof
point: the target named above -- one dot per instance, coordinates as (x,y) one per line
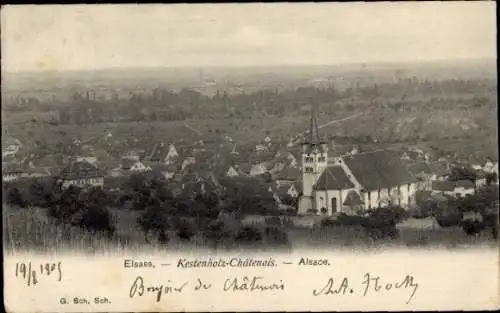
(333,178)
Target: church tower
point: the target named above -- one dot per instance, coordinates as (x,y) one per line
(314,160)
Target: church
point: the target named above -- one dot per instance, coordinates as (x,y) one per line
(351,183)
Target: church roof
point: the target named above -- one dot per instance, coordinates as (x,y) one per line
(333,178)
(378,169)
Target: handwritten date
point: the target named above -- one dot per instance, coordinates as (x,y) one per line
(31,273)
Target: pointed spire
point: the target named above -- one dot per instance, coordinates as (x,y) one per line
(314,137)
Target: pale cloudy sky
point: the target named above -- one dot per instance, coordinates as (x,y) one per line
(90,36)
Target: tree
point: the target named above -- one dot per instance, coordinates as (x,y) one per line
(216,234)
(96,218)
(491,178)
(185,230)
(15,198)
(463,173)
(155,219)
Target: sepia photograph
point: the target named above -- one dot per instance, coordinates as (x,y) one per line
(250,131)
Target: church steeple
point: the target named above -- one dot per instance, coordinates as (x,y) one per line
(314,137)
(313,140)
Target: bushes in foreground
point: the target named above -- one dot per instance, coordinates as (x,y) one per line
(375,225)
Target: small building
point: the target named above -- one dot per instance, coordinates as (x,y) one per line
(172,155)
(11,172)
(464,188)
(258,169)
(82,174)
(287,189)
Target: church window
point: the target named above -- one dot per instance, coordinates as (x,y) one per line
(309,159)
(321,159)
(309,169)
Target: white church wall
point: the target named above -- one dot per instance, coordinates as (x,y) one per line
(404,195)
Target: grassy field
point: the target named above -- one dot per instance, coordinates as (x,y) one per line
(30,229)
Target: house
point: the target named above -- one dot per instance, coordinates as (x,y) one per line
(90,159)
(187,161)
(459,188)
(260,148)
(286,189)
(128,166)
(161,153)
(11,147)
(134,165)
(379,178)
(258,169)
(477,167)
(11,171)
(267,140)
(491,167)
(81,174)
(464,188)
(481,179)
(232,171)
(172,154)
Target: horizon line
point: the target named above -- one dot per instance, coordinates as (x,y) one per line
(198,66)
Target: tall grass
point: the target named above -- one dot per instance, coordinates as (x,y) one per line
(32,230)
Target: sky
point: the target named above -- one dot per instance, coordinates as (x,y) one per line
(76,37)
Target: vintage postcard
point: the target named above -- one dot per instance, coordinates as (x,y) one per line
(250,157)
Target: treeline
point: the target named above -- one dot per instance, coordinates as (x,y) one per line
(166,105)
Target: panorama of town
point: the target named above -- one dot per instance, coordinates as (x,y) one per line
(249,128)
(133,183)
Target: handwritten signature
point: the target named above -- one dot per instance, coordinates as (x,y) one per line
(31,273)
(370,284)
